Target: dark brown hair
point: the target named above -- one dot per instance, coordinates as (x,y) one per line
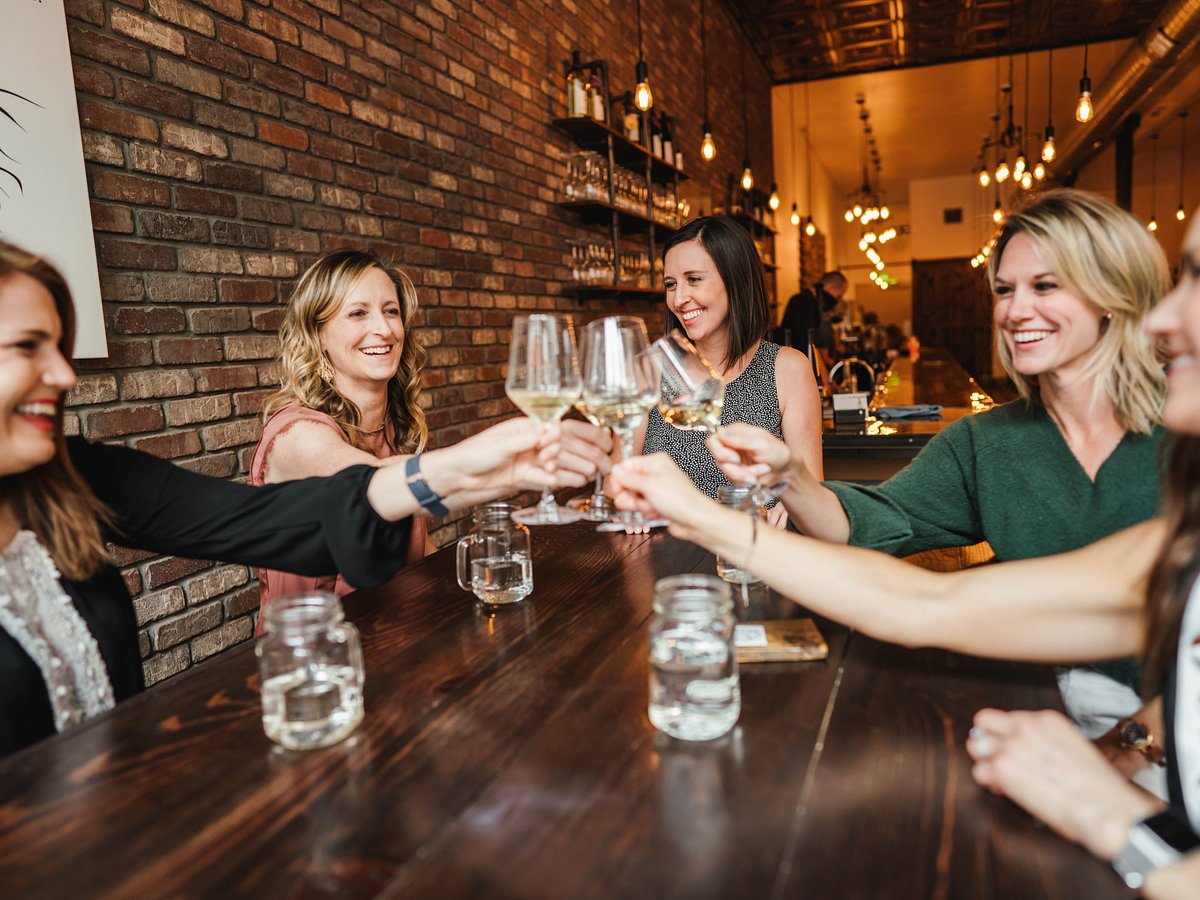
(1177,565)
(52,500)
(733,252)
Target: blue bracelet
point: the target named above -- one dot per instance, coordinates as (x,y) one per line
(423,492)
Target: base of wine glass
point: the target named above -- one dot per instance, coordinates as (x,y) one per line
(632,526)
(593,511)
(547,515)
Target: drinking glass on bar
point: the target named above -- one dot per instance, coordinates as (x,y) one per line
(543,381)
(620,386)
(597,507)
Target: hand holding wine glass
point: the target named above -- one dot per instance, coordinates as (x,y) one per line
(543,381)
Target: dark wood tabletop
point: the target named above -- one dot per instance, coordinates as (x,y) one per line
(508,755)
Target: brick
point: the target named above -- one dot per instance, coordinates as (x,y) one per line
(147,31)
(191,78)
(300,10)
(340,197)
(304,63)
(275,26)
(332,100)
(251,403)
(121,355)
(133,255)
(203,200)
(102,148)
(279,80)
(171,445)
(342,34)
(221,117)
(228,262)
(91,389)
(155,99)
(158,605)
(147,385)
(234,291)
(255,154)
(276,211)
(231,9)
(215,465)
(219,321)
(122,421)
(166,163)
(172,227)
(198,409)
(238,178)
(93,80)
(87,10)
(109,51)
(148,320)
(220,580)
(251,346)
(184,137)
(332,149)
(188,625)
(225,378)
(297,241)
(216,55)
(267,319)
(271,264)
(248,41)
(182,289)
(228,635)
(117,121)
(112,219)
(242,602)
(185,16)
(251,97)
(162,666)
(144,646)
(231,434)
(129,188)
(187,351)
(283,135)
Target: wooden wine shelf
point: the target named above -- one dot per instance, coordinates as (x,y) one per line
(592,135)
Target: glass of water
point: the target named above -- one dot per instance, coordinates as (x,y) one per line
(494,560)
(311,666)
(694,690)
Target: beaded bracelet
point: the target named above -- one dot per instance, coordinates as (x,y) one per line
(423,492)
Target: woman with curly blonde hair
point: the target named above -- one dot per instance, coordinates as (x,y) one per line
(350,384)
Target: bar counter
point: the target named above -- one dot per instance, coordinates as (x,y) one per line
(509,755)
(878,449)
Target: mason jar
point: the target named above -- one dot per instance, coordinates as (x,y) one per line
(494,560)
(736,496)
(694,690)
(311,666)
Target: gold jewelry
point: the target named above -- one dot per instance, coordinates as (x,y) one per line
(1134,735)
(325,370)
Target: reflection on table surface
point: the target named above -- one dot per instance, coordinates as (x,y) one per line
(508,754)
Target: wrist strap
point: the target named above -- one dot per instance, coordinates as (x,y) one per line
(423,492)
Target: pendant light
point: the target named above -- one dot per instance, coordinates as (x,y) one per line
(810,227)
(1049,151)
(708,147)
(747,175)
(795,217)
(773,200)
(1084,109)
(1181,213)
(643,98)
(1152,225)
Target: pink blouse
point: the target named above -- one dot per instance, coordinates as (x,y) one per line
(278,584)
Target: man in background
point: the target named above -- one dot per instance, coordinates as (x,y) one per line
(812,309)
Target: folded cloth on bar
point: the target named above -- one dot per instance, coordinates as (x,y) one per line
(919,411)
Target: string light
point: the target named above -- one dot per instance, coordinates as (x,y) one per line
(1084,109)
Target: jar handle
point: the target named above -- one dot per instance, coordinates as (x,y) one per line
(463,566)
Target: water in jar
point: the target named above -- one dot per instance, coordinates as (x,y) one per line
(312,706)
(694,690)
(497,580)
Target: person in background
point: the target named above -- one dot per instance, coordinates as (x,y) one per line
(810,310)
(1074,460)
(715,293)
(350,376)
(68,635)
(1136,591)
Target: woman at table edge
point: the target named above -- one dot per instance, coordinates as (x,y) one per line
(68,635)
(1134,591)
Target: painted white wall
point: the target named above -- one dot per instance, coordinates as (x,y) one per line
(931,237)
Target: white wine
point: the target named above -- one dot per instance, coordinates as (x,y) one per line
(582,406)
(546,406)
(621,413)
(702,415)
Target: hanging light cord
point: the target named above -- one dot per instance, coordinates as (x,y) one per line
(703,59)
(1153,174)
(745,111)
(639,21)
(1182,151)
(807,157)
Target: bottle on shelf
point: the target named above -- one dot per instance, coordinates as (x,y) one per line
(656,140)
(599,95)
(576,89)
(631,118)
(668,144)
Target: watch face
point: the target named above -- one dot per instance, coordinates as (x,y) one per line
(1134,733)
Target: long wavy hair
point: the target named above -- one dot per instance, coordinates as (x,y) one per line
(1178,563)
(317,298)
(733,252)
(52,500)
(1104,255)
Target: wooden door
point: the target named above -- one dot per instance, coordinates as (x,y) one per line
(952,309)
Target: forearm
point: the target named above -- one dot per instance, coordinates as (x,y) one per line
(813,508)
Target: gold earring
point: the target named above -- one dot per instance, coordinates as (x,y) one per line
(325,370)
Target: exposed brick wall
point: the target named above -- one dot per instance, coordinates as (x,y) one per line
(230,142)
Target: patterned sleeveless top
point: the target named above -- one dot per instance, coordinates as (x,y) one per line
(751,397)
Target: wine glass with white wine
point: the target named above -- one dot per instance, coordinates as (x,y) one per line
(620,387)
(693,397)
(543,381)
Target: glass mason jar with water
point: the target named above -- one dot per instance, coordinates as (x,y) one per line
(737,496)
(494,560)
(311,665)
(694,690)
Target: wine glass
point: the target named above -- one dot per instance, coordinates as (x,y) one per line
(620,387)
(543,381)
(693,396)
(596,507)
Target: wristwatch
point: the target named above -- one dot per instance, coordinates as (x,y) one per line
(1153,843)
(1134,735)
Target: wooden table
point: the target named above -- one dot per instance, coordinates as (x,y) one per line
(508,755)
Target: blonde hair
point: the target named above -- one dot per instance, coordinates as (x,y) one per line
(1105,255)
(317,298)
(52,500)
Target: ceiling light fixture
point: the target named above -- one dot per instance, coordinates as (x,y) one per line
(708,147)
(1084,108)
(1152,225)
(1049,151)
(747,175)
(643,97)
(1181,213)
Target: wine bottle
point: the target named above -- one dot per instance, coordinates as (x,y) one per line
(656,142)
(633,121)
(599,102)
(668,144)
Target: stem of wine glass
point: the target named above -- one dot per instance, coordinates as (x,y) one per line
(630,517)
(547,504)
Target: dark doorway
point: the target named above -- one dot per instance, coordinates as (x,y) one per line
(952,310)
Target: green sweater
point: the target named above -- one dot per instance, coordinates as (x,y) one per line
(1007,476)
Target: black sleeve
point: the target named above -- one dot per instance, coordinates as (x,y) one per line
(316,526)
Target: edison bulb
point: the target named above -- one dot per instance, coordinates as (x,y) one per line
(848,215)
(1002,171)
(810,229)
(1039,170)
(773,200)
(997,214)
(985,177)
(884,212)
(1152,225)
(1048,148)
(1084,110)
(1019,166)
(795,215)
(1027,181)
(1180,215)
(643,98)
(708,147)
(747,179)
(862,244)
